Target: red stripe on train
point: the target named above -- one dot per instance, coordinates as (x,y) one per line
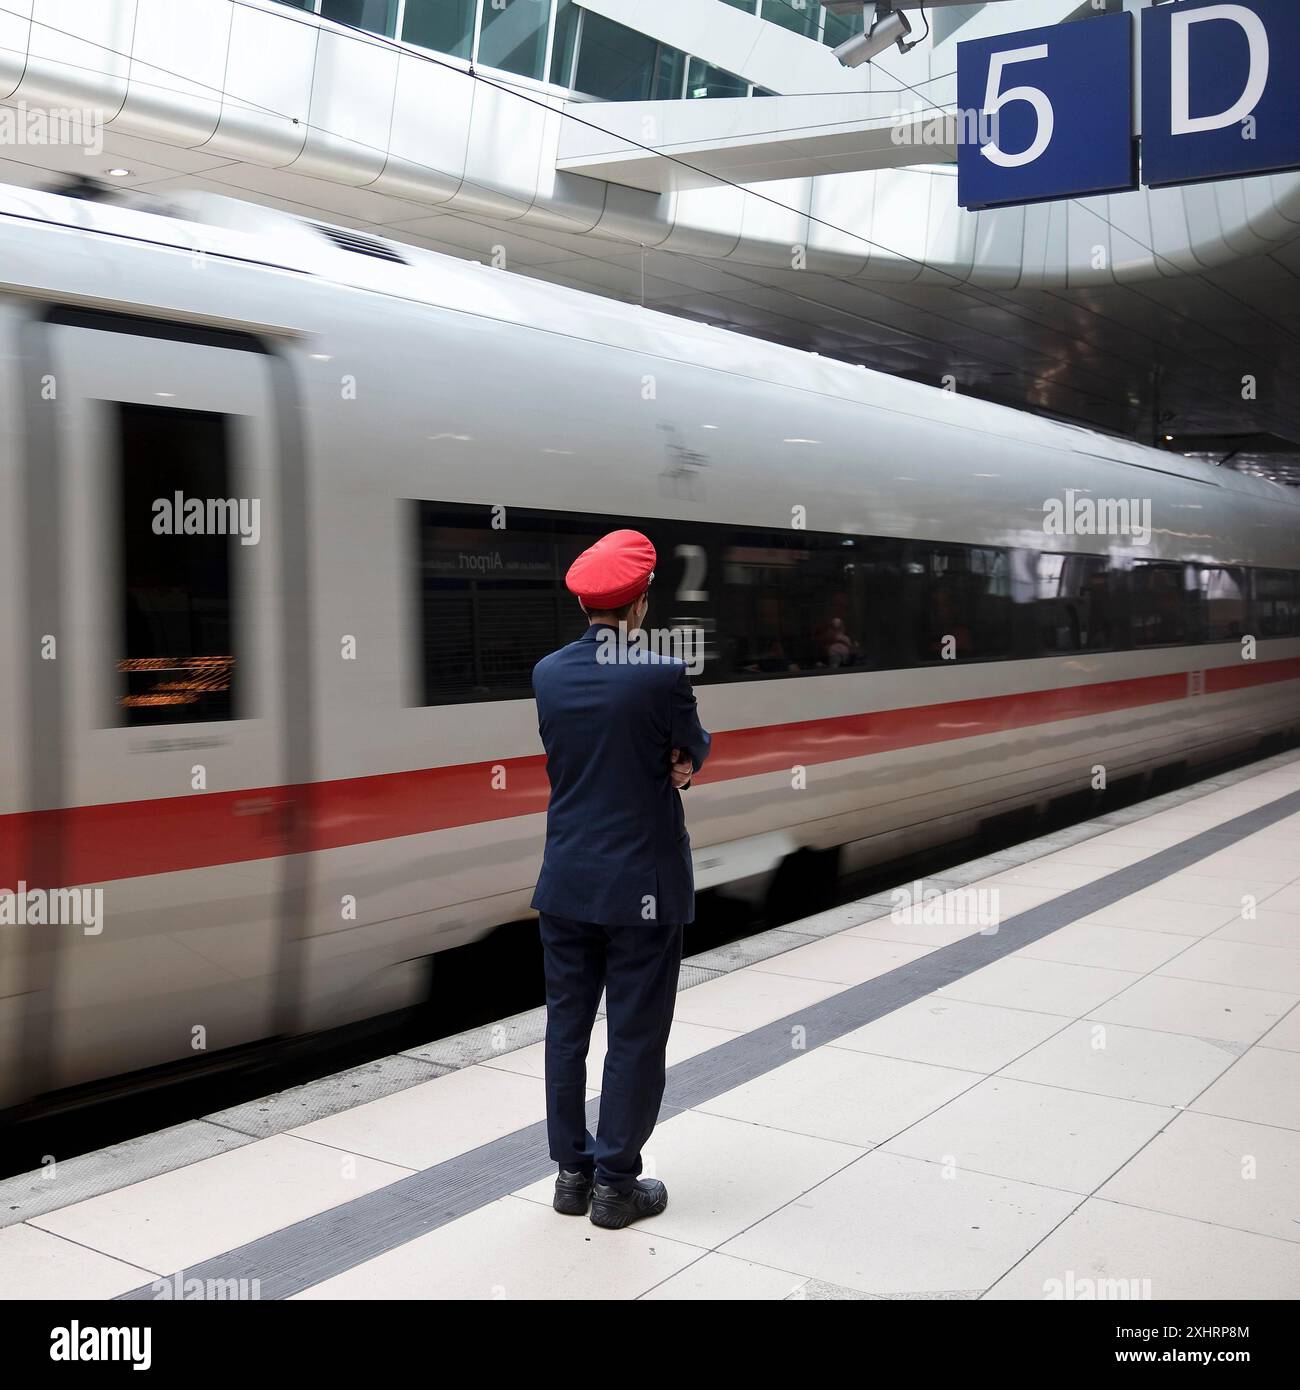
(131,839)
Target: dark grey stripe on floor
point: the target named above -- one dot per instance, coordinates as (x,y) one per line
(290,1260)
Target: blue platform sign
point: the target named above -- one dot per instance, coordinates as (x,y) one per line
(1046,113)
(1220,94)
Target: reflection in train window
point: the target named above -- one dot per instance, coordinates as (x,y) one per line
(961,601)
(493,601)
(775,604)
(791,602)
(179,666)
(1276,610)
(1223,616)
(1075,604)
(1162,599)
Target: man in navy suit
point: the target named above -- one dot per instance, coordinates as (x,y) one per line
(616,887)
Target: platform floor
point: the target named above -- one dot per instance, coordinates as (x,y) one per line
(1100,1098)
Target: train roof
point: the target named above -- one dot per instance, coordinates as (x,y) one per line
(232,229)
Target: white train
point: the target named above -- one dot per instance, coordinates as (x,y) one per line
(300,758)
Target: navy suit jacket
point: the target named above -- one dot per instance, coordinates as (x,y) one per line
(617,851)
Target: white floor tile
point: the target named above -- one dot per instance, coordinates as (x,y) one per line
(1189,887)
(723,1277)
(1264,929)
(1222,1171)
(1043,985)
(436,1120)
(898,1227)
(1105,1250)
(723,1175)
(747,999)
(842,960)
(953,1033)
(1194,1007)
(1151,914)
(1284,900)
(852,1097)
(37,1264)
(1031,1133)
(1263,1087)
(177,1219)
(1238,963)
(1128,1063)
(515,1249)
(1285,1034)
(1115,948)
(1099,852)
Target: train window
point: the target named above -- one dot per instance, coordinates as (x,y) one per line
(960,601)
(179,666)
(1223,603)
(772,604)
(1163,602)
(792,602)
(1275,611)
(1075,604)
(492,601)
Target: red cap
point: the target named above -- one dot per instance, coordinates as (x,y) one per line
(614,571)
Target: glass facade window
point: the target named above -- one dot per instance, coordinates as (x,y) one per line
(567,15)
(379,16)
(801,17)
(616,63)
(512,36)
(670,73)
(446,26)
(840,28)
(747,5)
(705,81)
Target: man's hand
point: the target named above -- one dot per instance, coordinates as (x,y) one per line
(682,770)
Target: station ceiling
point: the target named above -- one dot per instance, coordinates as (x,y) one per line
(1207,364)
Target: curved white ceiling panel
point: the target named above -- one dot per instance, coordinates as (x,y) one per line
(312,113)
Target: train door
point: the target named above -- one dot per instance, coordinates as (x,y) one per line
(167,733)
(14,943)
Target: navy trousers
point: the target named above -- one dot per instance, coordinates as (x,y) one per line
(637,966)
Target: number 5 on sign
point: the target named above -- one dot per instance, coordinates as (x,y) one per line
(995,99)
(1046,113)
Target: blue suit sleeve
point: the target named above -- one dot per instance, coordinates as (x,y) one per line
(687,732)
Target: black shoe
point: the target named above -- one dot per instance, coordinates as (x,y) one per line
(614,1209)
(573,1193)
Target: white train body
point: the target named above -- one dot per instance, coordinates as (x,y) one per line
(295,866)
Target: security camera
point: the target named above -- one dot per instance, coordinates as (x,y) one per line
(888,27)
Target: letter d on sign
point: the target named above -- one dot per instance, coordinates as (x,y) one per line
(1219,95)
(1181,121)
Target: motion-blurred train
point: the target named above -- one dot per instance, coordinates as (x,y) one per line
(285,512)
